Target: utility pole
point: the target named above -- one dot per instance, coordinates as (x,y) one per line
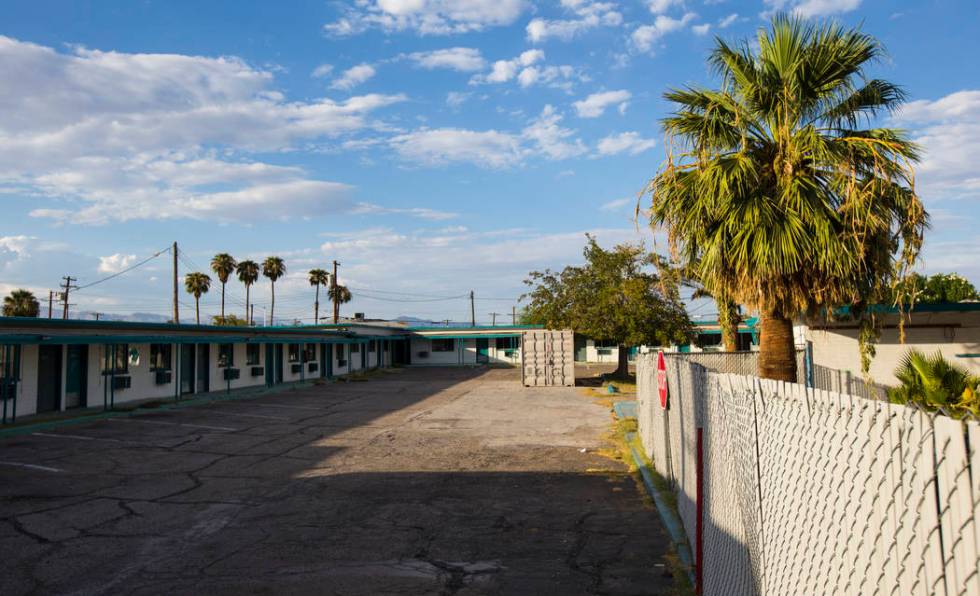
(50,302)
(513,315)
(472,311)
(176,308)
(96,316)
(493,315)
(251,315)
(333,293)
(67,286)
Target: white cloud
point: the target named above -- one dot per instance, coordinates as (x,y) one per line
(595,104)
(454,99)
(527,71)
(728,21)
(461,59)
(420,212)
(588,15)
(701,29)
(551,139)
(643,38)
(662,6)
(122,136)
(814,8)
(353,76)
(322,71)
(630,142)
(427,17)
(434,147)
(949,131)
(614,205)
(115,263)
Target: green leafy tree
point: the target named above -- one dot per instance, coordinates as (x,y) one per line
(940,288)
(223,265)
(934,383)
(229,321)
(777,193)
(197,284)
(273,268)
(614,296)
(21,303)
(318,277)
(339,295)
(248,274)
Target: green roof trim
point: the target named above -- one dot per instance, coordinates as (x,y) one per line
(944,307)
(475,328)
(80,323)
(468,336)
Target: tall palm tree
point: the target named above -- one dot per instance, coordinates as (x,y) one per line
(21,303)
(248,274)
(339,294)
(273,268)
(197,284)
(223,265)
(318,277)
(777,192)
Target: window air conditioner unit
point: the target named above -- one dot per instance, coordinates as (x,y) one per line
(312,367)
(232,373)
(122,382)
(258,371)
(163,377)
(296,368)
(423,354)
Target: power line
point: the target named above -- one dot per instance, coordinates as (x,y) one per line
(126,270)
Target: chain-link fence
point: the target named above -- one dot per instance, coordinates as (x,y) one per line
(842,381)
(739,363)
(808,491)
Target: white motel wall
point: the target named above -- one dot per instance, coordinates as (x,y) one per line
(57,365)
(952,330)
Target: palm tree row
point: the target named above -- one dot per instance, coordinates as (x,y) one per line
(247,272)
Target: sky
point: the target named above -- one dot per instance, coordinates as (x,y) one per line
(432,147)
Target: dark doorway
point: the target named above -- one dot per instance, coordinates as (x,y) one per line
(203,369)
(278,363)
(49,378)
(270,370)
(482,349)
(324,360)
(76,377)
(187,368)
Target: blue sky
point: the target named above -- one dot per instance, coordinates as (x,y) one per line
(433,147)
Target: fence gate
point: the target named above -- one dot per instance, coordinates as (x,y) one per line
(548,358)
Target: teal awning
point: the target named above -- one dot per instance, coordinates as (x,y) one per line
(468,336)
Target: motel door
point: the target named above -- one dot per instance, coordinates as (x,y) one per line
(49,379)
(76,376)
(186,368)
(482,349)
(203,368)
(270,371)
(278,363)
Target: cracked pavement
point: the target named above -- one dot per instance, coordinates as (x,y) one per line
(418,481)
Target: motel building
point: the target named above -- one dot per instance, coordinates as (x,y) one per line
(55,365)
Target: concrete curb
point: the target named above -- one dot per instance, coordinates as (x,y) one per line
(667,515)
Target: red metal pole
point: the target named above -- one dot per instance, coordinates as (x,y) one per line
(699,527)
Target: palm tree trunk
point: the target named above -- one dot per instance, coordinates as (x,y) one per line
(272,307)
(316,306)
(222,301)
(777,349)
(197,308)
(248,321)
(623,364)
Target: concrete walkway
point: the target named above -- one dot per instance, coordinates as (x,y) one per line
(432,481)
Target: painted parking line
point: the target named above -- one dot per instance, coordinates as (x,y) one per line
(281,418)
(29,466)
(67,436)
(290,407)
(224,428)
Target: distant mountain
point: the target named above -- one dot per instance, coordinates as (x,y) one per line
(138,317)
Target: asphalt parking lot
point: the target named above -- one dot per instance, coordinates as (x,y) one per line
(423,481)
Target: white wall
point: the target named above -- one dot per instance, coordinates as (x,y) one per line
(440,358)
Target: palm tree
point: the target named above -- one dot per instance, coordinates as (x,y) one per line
(777,195)
(273,268)
(318,277)
(932,382)
(21,303)
(248,274)
(223,265)
(197,284)
(339,295)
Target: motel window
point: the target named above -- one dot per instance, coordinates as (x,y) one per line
(355,348)
(506,343)
(161,357)
(252,354)
(8,361)
(119,365)
(293,353)
(226,355)
(372,346)
(606,343)
(339,350)
(309,353)
(443,345)
(708,340)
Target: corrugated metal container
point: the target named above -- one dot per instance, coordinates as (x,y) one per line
(548,358)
